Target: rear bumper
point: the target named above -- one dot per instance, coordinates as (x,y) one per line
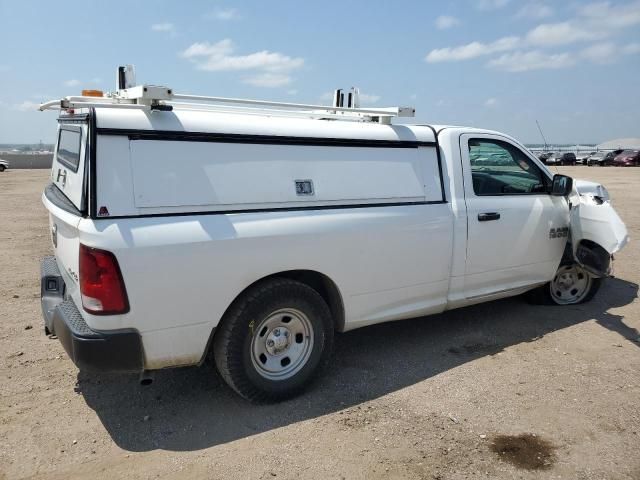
(90,350)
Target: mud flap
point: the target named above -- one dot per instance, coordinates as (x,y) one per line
(597,232)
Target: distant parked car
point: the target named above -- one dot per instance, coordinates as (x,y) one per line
(584,157)
(595,159)
(608,158)
(3,165)
(566,158)
(545,155)
(627,158)
(553,159)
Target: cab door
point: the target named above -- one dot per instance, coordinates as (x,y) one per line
(516,231)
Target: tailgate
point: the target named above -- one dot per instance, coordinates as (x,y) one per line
(65,241)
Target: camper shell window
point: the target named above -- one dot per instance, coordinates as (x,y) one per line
(69,145)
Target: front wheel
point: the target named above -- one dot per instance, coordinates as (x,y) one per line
(274,340)
(571,285)
(2,167)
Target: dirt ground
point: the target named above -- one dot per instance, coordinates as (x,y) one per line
(500,390)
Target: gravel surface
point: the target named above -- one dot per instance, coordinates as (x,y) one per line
(499,390)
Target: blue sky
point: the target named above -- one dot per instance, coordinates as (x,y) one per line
(499,64)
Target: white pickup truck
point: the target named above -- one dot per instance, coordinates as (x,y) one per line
(182,226)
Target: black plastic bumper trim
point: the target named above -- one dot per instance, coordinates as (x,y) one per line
(96,351)
(52,289)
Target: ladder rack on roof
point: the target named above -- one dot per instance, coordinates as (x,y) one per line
(152,97)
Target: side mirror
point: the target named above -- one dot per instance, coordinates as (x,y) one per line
(561,186)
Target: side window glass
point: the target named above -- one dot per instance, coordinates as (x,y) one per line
(69,144)
(499,168)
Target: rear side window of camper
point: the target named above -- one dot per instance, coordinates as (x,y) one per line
(69,144)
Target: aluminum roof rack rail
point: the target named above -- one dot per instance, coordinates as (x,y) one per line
(153,97)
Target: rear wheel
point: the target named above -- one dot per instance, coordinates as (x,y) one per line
(571,285)
(2,168)
(274,340)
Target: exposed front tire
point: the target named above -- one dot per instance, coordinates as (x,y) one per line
(571,285)
(274,340)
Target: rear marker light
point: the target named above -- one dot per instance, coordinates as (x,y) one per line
(101,285)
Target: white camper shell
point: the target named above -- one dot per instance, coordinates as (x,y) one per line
(255,232)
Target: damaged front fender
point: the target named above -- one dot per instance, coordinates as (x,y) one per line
(597,231)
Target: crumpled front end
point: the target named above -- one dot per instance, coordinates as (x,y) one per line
(597,231)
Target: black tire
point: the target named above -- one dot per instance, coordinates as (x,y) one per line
(542,295)
(2,168)
(233,341)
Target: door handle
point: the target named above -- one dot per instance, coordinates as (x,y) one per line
(487,217)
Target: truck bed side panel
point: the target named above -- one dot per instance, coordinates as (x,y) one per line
(181,273)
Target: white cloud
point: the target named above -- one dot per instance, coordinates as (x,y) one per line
(608,16)
(631,49)
(535,10)
(164,27)
(272,68)
(369,98)
(608,52)
(472,50)
(591,23)
(601,53)
(444,22)
(203,49)
(267,79)
(562,33)
(217,57)
(491,4)
(72,83)
(224,14)
(491,102)
(26,106)
(533,60)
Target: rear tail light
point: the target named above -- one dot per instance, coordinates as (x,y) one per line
(101,284)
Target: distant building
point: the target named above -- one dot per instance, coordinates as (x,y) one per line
(620,143)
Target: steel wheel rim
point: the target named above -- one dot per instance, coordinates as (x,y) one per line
(570,285)
(281,344)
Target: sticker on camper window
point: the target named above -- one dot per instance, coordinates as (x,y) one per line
(304,187)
